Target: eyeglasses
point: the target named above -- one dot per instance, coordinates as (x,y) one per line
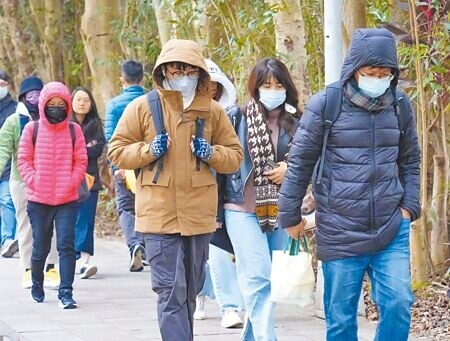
(388,76)
(178,74)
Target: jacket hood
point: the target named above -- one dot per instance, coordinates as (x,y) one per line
(179,50)
(228,97)
(54,89)
(371,47)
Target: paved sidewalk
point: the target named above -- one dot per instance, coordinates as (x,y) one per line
(119,305)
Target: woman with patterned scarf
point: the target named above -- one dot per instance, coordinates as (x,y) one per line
(266,127)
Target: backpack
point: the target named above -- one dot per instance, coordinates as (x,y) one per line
(154,103)
(333,106)
(36,128)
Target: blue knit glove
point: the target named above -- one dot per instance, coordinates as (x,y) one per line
(159,145)
(202,149)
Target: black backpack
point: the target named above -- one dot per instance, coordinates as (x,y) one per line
(157,115)
(333,106)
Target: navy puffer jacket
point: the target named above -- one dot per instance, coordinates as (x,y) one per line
(369,171)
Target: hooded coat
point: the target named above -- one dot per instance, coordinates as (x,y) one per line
(184,199)
(53,167)
(369,170)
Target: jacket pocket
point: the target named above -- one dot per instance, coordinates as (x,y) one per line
(149,176)
(203,179)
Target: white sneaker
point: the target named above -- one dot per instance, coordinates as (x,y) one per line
(26,280)
(231,320)
(200,313)
(10,248)
(87,271)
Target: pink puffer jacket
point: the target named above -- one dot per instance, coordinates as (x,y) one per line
(53,168)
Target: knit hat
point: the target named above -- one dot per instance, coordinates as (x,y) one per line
(5,76)
(28,84)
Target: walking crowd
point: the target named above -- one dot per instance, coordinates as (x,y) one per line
(207,187)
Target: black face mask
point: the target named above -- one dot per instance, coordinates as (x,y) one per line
(55,114)
(33,109)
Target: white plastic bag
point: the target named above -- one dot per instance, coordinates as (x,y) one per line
(292,277)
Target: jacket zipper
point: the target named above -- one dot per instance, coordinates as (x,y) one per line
(372,228)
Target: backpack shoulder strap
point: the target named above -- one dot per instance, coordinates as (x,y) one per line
(72,133)
(35,132)
(401,109)
(199,127)
(23,120)
(154,103)
(333,105)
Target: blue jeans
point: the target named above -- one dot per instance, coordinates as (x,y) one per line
(177,265)
(8,213)
(253,250)
(84,227)
(125,208)
(43,218)
(390,277)
(221,281)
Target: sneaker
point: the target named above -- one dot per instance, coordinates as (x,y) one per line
(136,259)
(51,279)
(200,313)
(26,280)
(87,271)
(37,293)
(66,300)
(231,320)
(10,248)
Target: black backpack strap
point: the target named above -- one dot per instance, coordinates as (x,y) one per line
(333,104)
(157,115)
(71,127)
(199,127)
(35,132)
(23,120)
(401,109)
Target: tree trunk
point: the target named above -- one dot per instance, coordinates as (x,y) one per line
(54,39)
(290,44)
(353,17)
(163,14)
(101,46)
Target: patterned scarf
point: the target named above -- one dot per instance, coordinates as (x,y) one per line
(261,149)
(360,99)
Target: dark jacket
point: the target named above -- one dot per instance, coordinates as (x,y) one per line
(369,171)
(235,182)
(7,108)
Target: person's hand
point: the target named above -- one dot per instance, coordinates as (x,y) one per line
(297,230)
(405,213)
(201,148)
(219,225)
(276,175)
(92,143)
(120,173)
(159,145)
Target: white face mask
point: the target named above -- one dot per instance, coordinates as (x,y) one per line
(185,85)
(373,86)
(3,91)
(272,99)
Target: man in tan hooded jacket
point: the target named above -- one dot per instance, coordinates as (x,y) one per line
(178,212)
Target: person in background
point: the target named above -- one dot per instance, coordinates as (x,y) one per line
(53,176)
(131,79)
(27,110)
(368,192)
(265,130)
(221,280)
(85,114)
(8,242)
(177,210)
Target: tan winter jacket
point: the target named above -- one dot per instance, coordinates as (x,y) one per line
(183,200)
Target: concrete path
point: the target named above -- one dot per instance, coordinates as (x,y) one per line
(117,305)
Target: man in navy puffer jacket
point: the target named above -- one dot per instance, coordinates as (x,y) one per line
(368,194)
(131,79)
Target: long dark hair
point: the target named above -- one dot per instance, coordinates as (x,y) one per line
(92,125)
(261,72)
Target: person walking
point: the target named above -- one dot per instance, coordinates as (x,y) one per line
(366,188)
(176,210)
(27,110)
(86,115)
(8,241)
(52,176)
(221,280)
(131,79)
(266,127)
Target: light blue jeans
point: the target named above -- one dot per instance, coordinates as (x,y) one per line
(221,281)
(390,277)
(253,250)
(8,213)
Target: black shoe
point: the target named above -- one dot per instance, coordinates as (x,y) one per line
(37,293)
(65,300)
(136,259)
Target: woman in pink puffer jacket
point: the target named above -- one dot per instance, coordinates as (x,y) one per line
(52,161)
